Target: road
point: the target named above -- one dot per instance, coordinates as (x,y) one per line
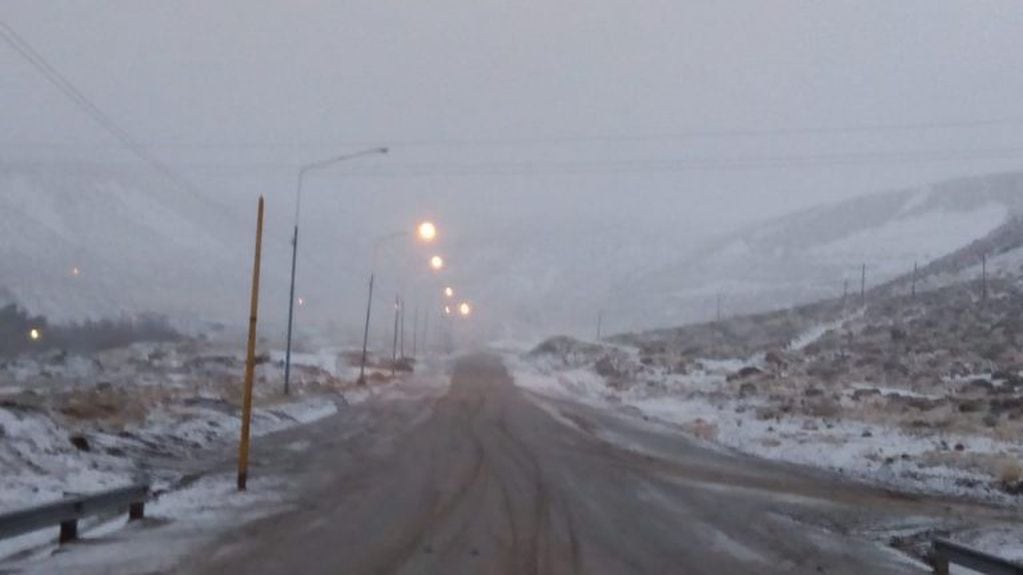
(486,479)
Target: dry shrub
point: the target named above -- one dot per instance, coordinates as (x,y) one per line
(114,407)
(702,429)
(1010,471)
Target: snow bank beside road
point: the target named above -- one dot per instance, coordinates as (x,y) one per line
(75,424)
(176,523)
(41,463)
(166,414)
(698,403)
(694,404)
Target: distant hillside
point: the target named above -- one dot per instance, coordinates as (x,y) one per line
(86,243)
(140,246)
(1002,248)
(811,255)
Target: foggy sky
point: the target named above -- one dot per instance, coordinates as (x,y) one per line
(592,116)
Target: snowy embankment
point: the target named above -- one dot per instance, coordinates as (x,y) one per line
(167,414)
(161,413)
(926,434)
(43,460)
(866,451)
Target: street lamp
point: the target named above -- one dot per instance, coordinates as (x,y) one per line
(449,292)
(34,334)
(426,231)
(465,309)
(437,263)
(294,242)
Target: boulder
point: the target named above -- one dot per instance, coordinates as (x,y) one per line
(744,373)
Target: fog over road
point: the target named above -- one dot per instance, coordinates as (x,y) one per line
(486,478)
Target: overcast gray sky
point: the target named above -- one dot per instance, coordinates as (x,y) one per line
(698,114)
(272,83)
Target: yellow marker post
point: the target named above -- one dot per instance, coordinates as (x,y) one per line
(250,360)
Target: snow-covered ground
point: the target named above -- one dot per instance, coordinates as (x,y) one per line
(703,402)
(42,464)
(911,236)
(161,413)
(1005,265)
(176,522)
(863,450)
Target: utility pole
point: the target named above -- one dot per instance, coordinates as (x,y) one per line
(426,331)
(365,333)
(394,345)
(600,322)
(250,358)
(863,285)
(402,328)
(845,291)
(983,264)
(718,314)
(415,331)
(291,295)
(913,291)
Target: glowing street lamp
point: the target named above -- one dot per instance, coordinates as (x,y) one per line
(447,310)
(437,263)
(427,231)
(75,271)
(465,309)
(34,334)
(449,292)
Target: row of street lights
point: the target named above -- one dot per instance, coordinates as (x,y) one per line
(426,232)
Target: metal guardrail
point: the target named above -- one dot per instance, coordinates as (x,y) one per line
(944,552)
(67,512)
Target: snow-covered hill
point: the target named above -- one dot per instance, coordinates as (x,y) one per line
(140,246)
(85,242)
(816,253)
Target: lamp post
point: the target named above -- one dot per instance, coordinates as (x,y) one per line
(394,346)
(294,243)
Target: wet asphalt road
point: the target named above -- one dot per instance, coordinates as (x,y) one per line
(486,479)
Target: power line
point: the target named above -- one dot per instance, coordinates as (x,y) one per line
(589,138)
(66,87)
(665,165)
(684,164)
(26,51)
(713,134)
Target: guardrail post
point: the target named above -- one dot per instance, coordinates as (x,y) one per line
(944,553)
(136,511)
(69,511)
(68,531)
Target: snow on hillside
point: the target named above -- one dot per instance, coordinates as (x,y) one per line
(81,423)
(139,246)
(908,238)
(85,242)
(813,254)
